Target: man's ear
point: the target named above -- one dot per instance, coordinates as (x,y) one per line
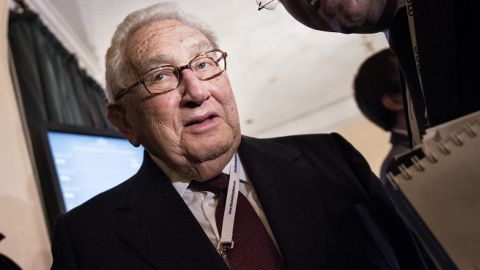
(117,116)
(393,102)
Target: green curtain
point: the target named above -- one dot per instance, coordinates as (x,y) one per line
(54,89)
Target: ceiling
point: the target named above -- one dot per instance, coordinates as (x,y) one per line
(287,78)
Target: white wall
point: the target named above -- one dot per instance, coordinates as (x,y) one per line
(21,215)
(370,140)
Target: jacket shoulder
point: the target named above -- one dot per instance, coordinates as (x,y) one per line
(332,143)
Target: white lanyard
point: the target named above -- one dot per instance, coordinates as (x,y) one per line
(413,36)
(411,24)
(226,241)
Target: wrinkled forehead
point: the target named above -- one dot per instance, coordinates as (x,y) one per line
(167,41)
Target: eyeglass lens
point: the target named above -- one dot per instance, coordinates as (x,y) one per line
(267,4)
(166,78)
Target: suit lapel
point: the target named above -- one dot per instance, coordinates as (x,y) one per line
(285,185)
(157,224)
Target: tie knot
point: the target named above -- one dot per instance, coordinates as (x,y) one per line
(215,185)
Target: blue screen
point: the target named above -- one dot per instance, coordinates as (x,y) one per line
(87,165)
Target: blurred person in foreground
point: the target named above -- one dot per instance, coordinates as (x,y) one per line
(434,41)
(305,202)
(378,93)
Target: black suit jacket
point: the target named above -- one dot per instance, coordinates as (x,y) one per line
(325,207)
(400,145)
(447,34)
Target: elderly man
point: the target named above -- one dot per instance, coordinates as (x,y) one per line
(300,202)
(437,37)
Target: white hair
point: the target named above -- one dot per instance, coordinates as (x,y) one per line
(115,58)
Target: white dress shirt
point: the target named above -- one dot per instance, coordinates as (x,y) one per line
(203,203)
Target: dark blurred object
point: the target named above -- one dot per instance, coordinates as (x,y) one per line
(5,262)
(21,5)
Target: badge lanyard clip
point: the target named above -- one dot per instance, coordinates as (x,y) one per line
(226,241)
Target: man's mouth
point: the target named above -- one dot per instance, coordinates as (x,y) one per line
(200,121)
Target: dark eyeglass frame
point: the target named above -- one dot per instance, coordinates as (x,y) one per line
(267,4)
(179,70)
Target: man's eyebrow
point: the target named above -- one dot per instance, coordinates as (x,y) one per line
(156,60)
(200,46)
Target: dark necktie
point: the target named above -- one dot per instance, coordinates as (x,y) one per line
(253,247)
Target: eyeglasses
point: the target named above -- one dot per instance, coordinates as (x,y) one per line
(205,66)
(267,4)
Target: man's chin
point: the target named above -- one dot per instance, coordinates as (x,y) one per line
(208,151)
(210,166)
(210,146)
(350,28)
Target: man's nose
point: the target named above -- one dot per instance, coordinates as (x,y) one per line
(195,91)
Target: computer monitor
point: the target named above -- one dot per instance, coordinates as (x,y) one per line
(78,163)
(87,165)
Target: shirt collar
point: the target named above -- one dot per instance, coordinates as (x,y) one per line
(241,174)
(180,182)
